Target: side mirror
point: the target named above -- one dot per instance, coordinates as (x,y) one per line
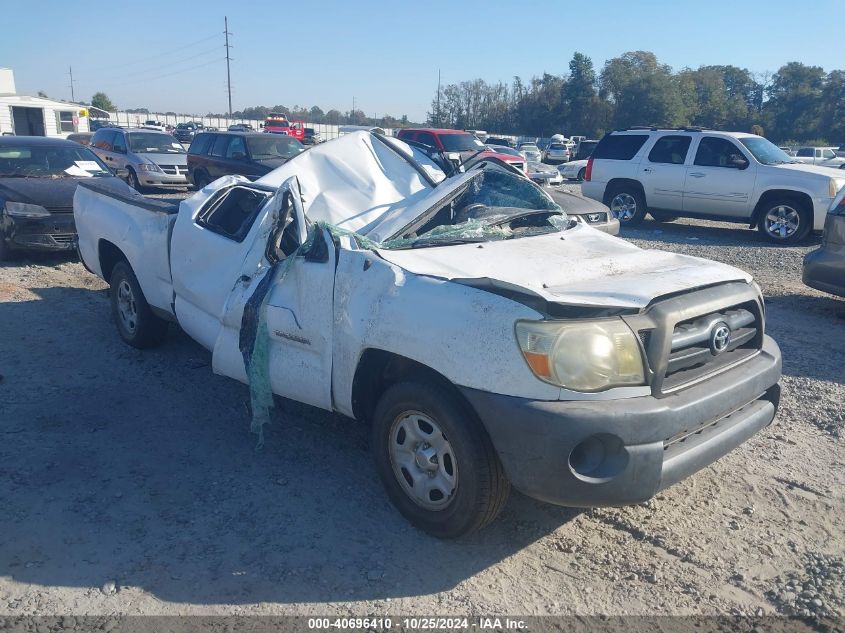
(120,172)
(739,162)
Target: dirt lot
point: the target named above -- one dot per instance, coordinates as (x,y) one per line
(129,484)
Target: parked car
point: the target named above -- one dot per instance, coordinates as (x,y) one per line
(543,174)
(824,268)
(498,140)
(583,371)
(529,147)
(241,127)
(311,137)
(557,152)
(38,176)
(587,211)
(154,125)
(457,141)
(250,154)
(96,124)
(584,149)
(151,158)
(729,176)
(574,170)
(83,138)
(822,156)
(184,132)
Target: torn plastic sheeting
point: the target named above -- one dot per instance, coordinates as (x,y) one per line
(254,339)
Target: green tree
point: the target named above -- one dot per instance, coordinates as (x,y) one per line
(100,100)
(795,100)
(581,96)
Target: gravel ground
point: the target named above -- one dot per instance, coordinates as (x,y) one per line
(130,485)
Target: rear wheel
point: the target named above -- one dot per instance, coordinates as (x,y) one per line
(436,461)
(136,323)
(785,221)
(201,179)
(6,253)
(581,174)
(627,204)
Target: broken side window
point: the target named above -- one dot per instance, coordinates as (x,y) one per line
(232,212)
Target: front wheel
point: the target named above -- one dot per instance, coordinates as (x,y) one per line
(627,205)
(436,461)
(785,221)
(136,323)
(133,181)
(582,174)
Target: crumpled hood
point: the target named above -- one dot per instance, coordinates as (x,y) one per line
(585,268)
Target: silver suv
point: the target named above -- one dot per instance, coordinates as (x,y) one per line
(151,158)
(727,176)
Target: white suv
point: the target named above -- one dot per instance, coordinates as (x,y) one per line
(729,176)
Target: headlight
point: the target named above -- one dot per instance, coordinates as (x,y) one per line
(23,210)
(582,355)
(148,167)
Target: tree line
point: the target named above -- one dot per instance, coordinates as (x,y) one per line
(797,103)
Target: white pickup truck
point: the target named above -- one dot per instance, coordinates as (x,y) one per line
(489,340)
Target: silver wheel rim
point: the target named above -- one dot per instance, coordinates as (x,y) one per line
(133,180)
(127,309)
(423,460)
(782,221)
(623,206)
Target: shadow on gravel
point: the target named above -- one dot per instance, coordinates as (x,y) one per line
(680,233)
(138,467)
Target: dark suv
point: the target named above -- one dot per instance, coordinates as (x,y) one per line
(250,154)
(185,132)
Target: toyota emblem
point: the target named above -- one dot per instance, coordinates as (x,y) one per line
(720,338)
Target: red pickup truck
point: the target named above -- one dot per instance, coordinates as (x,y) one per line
(279,124)
(456,141)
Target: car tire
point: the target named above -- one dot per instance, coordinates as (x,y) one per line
(657,216)
(422,432)
(581,174)
(132,181)
(200,179)
(627,204)
(136,323)
(785,221)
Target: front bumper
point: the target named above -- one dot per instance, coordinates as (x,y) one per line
(824,269)
(56,232)
(603,221)
(642,445)
(160,179)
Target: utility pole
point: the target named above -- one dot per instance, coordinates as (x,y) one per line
(438,96)
(228,72)
(352,114)
(72,96)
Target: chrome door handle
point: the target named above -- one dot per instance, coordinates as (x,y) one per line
(647,169)
(697,174)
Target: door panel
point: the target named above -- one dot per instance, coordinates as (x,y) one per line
(662,172)
(297,305)
(713,186)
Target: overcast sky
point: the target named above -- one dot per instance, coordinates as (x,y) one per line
(170,56)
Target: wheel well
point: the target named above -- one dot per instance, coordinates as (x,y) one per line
(769,196)
(377,370)
(616,183)
(110,255)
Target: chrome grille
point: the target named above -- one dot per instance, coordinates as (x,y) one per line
(694,350)
(174,170)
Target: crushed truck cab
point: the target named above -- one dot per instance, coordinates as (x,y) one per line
(487,338)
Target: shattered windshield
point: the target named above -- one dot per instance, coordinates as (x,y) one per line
(490,204)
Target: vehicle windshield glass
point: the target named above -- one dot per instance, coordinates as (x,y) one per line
(490,205)
(153,143)
(277,123)
(273,146)
(765,151)
(24,161)
(460,142)
(557,146)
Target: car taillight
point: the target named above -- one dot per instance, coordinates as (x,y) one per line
(588,174)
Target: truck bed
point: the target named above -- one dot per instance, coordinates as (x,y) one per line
(140,228)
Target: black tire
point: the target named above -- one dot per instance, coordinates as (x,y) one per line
(480,486)
(581,174)
(200,179)
(6,253)
(148,329)
(132,181)
(785,220)
(630,204)
(662,217)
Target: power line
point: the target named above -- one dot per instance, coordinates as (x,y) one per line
(183,70)
(156,69)
(164,54)
(72,96)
